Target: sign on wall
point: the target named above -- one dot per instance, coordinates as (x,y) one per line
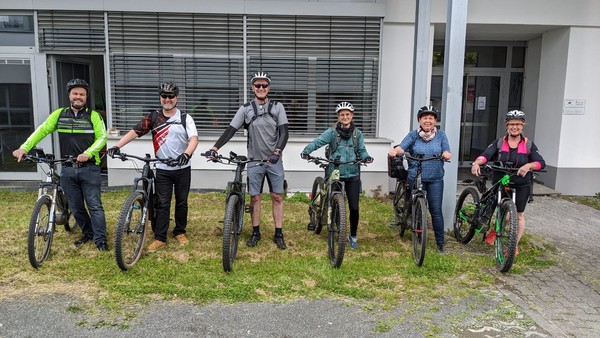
(574,107)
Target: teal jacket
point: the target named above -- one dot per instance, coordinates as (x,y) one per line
(345,151)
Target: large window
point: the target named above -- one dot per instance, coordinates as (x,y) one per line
(16,111)
(314,62)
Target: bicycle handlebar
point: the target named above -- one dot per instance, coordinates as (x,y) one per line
(232,159)
(318,160)
(49,159)
(171,162)
(422,159)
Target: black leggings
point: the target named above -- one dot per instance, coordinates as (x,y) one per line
(353,194)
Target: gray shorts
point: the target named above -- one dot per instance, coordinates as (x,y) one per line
(256,177)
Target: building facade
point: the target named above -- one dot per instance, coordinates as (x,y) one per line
(538,56)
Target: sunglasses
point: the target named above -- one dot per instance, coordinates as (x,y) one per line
(259,85)
(167,96)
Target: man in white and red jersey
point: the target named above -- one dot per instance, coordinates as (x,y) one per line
(174,135)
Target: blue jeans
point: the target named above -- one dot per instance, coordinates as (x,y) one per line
(435,194)
(83,184)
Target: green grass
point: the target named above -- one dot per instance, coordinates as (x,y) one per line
(590,201)
(381,273)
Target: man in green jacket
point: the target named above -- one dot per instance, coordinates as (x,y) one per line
(82,134)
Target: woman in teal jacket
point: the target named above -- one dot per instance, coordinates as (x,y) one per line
(349,146)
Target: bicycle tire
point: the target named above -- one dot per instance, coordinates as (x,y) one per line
(336,238)
(130,232)
(465,215)
(62,205)
(506,235)
(419,230)
(39,238)
(231,231)
(314,208)
(400,204)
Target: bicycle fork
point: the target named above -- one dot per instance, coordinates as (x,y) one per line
(45,191)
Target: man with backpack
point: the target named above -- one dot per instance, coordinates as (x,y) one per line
(174,135)
(267,125)
(81,134)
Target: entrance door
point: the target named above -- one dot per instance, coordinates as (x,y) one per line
(65,69)
(482,100)
(481,103)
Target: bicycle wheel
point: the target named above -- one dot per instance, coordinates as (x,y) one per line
(419,230)
(336,239)
(506,235)
(231,231)
(314,208)
(62,206)
(40,234)
(400,204)
(465,215)
(130,232)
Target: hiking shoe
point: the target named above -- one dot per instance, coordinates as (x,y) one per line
(279,242)
(81,241)
(353,242)
(253,240)
(182,239)
(156,245)
(440,249)
(491,237)
(102,246)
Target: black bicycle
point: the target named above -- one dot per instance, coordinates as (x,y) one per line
(410,206)
(328,205)
(473,214)
(51,208)
(235,206)
(140,206)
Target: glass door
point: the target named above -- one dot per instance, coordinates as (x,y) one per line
(481,104)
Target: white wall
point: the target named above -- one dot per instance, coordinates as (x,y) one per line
(579,133)
(553,62)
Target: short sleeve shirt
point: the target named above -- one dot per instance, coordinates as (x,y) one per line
(263,132)
(169,136)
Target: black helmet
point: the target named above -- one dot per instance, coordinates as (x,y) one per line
(74,83)
(428,110)
(168,88)
(261,76)
(514,115)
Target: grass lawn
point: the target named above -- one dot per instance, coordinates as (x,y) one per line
(381,270)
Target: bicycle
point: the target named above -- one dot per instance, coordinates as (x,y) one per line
(50,209)
(235,206)
(130,232)
(410,204)
(328,193)
(473,214)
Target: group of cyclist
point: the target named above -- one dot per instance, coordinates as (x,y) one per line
(82,134)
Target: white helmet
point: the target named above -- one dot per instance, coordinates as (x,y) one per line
(261,76)
(344,105)
(515,115)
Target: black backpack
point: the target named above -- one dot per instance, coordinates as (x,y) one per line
(255,108)
(154,118)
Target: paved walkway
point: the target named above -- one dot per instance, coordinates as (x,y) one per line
(564,299)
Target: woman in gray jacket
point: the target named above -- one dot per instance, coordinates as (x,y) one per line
(345,142)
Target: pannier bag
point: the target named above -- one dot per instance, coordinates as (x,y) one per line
(396,169)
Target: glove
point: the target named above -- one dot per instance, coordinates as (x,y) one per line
(211,153)
(183,159)
(114,151)
(273,159)
(369,159)
(304,156)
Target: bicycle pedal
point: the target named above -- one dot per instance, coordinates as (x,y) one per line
(247,209)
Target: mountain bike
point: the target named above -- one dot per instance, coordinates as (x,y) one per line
(410,207)
(328,205)
(141,205)
(235,206)
(51,208)
(473,214)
